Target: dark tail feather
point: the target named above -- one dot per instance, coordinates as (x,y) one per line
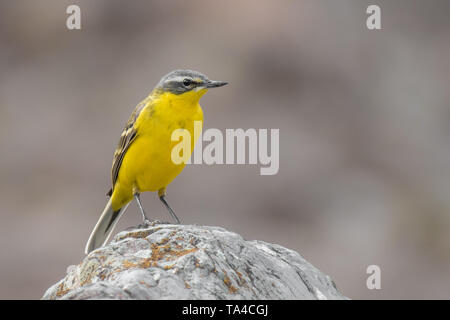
(104,227)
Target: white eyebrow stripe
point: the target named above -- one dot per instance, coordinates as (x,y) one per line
(178,79)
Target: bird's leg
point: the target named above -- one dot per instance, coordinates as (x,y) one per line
(162,197)
(138,200)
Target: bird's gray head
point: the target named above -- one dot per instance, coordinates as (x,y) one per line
(181,81)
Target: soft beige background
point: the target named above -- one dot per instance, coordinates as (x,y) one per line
(363,115)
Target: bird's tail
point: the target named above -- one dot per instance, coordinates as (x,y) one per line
(104,227)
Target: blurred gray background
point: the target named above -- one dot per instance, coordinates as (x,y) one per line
(364,123)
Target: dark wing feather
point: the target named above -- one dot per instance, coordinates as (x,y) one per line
(129,134)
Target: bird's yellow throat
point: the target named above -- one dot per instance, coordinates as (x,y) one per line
(178,101)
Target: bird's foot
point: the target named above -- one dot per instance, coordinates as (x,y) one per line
(149,223)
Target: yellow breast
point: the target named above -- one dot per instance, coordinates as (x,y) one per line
(147,164)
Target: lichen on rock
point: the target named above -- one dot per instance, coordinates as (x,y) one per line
(168,261)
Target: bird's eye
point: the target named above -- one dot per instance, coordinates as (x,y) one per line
(187,82)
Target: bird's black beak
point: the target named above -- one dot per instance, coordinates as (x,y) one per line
(215,84)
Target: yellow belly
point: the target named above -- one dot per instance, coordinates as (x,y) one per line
(147,164)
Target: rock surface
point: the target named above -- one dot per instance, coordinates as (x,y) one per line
(166,261)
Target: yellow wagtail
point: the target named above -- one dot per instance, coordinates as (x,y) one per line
(142,160)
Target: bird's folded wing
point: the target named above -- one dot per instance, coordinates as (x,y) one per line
(127,137)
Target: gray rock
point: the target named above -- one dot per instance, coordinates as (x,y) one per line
(167,261)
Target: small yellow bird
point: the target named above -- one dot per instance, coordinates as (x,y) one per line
(142,160)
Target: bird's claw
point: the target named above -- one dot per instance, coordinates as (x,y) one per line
(149,223)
